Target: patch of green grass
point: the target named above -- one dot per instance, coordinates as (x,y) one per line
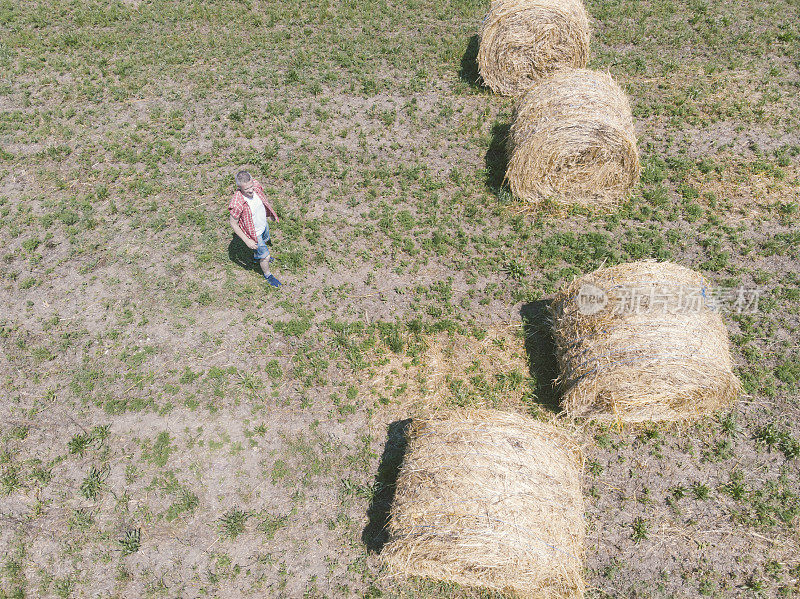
(94,482)
(280,471)
(269,524)
(232,523)
(640,530)
(735,487)
(295,327)
(158,453)
(772,436)
(131,541)
(9,479)
(700,491)
(185,502)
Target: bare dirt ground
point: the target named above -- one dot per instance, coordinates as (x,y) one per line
(173,427)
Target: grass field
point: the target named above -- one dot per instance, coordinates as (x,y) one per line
(173,427)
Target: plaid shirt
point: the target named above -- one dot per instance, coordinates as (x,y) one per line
(241,211)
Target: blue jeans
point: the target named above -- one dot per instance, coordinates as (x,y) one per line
(262,251)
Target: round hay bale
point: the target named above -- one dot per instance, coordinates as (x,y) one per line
(572,138)
(642,341)
(522,41)
(490,499)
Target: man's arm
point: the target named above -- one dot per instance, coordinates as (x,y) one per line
(238,230)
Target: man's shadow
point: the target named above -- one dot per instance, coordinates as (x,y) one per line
(496,159)
(240,254)
(375,535)
(541,349)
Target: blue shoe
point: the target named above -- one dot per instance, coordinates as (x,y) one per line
(272,280)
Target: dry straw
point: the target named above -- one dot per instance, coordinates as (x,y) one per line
(573,139)
(490,499)
(522,41)
(452,369)
(640,341)
(467,371)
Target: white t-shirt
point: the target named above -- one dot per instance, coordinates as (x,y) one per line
(259,213)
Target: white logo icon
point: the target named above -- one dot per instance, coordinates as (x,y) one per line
(591,299)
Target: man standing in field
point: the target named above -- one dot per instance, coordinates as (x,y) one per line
(249,210)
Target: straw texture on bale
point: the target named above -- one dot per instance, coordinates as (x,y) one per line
(651,348)
(572,138)
(493,500)
(522,41)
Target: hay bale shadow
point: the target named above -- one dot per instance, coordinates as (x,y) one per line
(239,253)
(375,533)
(468,72)
(541,349)
(496,159)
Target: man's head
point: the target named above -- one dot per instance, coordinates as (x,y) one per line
(245,182)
